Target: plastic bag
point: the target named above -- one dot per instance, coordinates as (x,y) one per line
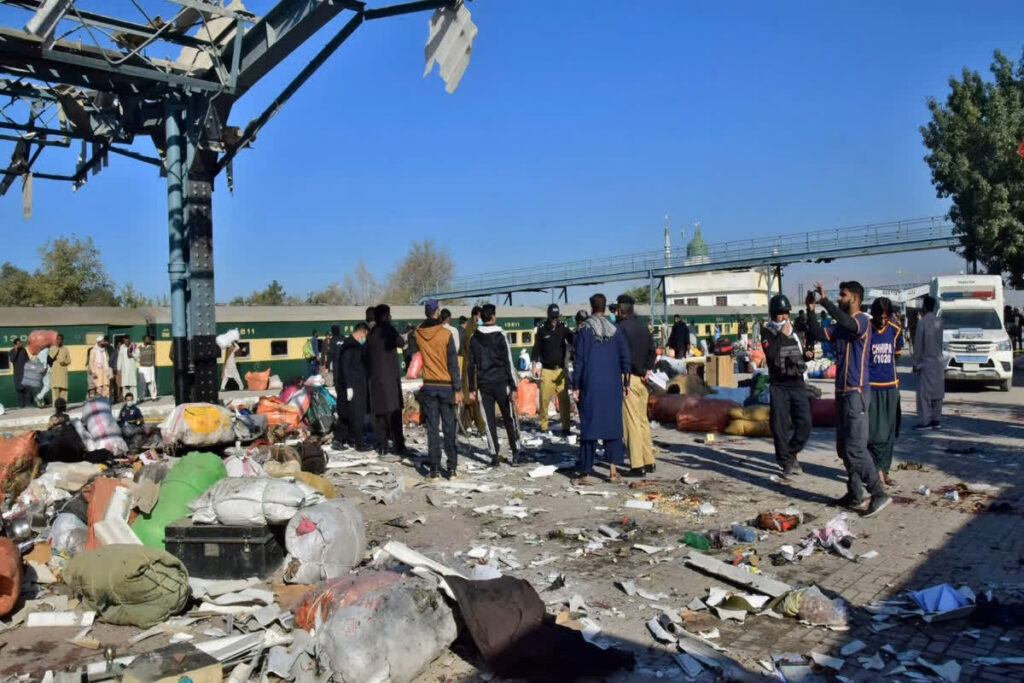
(39,340)
(19,462)
(331,595)
(103,432)
(321,413)
(192,475)
(228,338)
(198,425)
(248,426)
(252,501)
(243,466)
(257,381)
(324,541)
(755,428)
(11,570)
(68,535)
(415,366)
(527,396)
(811,605)
(279,413)
(391,634)
(33,374)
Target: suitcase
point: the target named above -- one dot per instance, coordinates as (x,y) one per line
(218,551)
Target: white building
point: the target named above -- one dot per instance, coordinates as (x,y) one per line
(716,288)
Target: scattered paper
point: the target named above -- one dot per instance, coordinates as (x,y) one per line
(834,663)
(543,471)
(640,504)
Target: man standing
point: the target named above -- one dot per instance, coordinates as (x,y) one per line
(471,409)
(600,383)
(311,352)
(635,427)
(99,368)
(145,354)
(886,346)
(127,367)
(929,366)
(442,387)
(59,360)
(551,344)
(851,335)
(230,371)
(350,385)
(491,371)
(679,338)
(743,330)
(18,359)
(786,357)
(382,346)
(446,322)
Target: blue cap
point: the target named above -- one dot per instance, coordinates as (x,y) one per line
(430,305)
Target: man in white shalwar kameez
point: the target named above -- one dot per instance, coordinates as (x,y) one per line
(929,366)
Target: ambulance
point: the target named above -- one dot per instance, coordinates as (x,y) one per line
(975,345)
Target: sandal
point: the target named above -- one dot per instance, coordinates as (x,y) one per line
(582,481)
(617,479)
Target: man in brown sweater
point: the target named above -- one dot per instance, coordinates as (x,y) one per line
(442,389)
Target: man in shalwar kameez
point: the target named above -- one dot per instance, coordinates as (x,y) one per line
(600,383)
(929,366)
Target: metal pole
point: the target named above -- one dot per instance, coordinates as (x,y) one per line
(176,240)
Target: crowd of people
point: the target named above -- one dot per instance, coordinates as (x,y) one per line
(113,370)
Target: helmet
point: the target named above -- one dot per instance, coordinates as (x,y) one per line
(778,304)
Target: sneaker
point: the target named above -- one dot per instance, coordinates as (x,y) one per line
(453,475)
(936,425)
(919,427)
(848,501)
(878,503)
(433,475)
(650,469)
(338,446)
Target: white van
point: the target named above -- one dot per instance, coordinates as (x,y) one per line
(975,346)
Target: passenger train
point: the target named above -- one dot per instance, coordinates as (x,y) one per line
(273,336)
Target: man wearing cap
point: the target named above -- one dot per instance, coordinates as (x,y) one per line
(635,427)
(99,368)
(551,344)
(442,387)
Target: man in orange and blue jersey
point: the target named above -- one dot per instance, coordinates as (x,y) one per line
(851,334)
(886,346)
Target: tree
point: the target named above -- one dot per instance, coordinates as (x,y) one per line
(15,286)
(71,273)
(362,287)
(131,298)
(425,268)
(642,294)
(972,141)
(334,295)
(273,295)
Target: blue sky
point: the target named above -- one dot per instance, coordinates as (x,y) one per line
(576,128)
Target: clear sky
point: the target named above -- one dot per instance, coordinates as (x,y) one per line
(576,128)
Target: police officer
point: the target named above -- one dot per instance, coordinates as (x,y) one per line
(551,343)
(786,359)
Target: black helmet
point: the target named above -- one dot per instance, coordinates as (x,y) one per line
(778,304)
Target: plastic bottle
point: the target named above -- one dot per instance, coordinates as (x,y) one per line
(744,533)
(696,540)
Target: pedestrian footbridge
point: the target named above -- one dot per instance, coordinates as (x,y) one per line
(760,252)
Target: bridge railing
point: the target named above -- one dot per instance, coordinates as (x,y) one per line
(728,254)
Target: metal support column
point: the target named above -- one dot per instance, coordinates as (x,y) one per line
(778,277)
(176,236)
(202,327)
(650,297)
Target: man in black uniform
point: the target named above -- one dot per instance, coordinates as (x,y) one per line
(490,370)
(551,344)
(786,359)
(679,338)
(351,388)
(636,428)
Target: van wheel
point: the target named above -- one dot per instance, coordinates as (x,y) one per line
(1004,385)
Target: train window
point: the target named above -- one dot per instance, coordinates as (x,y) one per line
(513,337)
(243,350)
(279,347)
(527,338)
(708,329)
(721,301)
(5,360)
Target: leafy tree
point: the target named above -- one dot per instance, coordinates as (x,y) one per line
(642,294)
(71,273)
(333,295)
(272,295)
(131,298)
(972,141)
(425,268)
(15,286)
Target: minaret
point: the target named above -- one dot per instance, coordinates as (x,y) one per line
(668,243)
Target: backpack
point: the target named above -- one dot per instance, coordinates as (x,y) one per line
(33,374)
(312,456)
(320,414)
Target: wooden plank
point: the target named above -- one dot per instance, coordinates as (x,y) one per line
(737,576)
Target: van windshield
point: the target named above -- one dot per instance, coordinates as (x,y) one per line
(984,319)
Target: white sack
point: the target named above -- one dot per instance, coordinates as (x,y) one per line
(252,501)
(333,546)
